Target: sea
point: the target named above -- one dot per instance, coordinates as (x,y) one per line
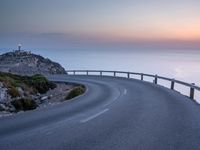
(179,64)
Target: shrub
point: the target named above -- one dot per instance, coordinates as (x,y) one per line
(34,84)
(40,83)
(75,92)
(24,104)
(13,92)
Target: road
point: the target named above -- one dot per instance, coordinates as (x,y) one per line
(113,114)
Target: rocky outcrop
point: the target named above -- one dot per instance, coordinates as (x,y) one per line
(5,98)
(26,63)
(3,93)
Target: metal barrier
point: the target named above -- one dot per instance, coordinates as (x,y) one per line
(192,86)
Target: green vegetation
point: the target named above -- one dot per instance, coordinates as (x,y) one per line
(30,84)
(13,92)
(24,104)
(40,83)
(75,92)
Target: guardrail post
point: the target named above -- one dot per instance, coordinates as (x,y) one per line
(100,73)
(192,91)
(74,72)
(114,73)
(87,72)
(128,75)
(142,76)
(172,84)
(156,79)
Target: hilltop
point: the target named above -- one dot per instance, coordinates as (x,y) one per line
(26,63)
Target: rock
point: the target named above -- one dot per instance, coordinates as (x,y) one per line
(44,98)
(21,91)
(11,108)
(50,96)
(3,93)
(7,107)
(26,63)
(2,107)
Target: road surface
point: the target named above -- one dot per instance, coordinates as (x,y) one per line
(113,114)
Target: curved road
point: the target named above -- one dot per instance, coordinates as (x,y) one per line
(113,114)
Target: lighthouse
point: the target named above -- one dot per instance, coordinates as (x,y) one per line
(19,47)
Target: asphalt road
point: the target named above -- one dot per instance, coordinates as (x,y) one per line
(113,114)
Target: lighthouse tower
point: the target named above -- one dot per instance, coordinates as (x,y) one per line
(19,47)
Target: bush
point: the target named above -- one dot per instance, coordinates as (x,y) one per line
(40,83)
(24,104)
(13,92)
(34,84)
(75,92)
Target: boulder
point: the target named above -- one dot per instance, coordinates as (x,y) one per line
(3,93)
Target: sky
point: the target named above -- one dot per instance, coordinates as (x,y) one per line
(76,24)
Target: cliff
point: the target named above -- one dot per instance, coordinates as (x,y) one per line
(26,63)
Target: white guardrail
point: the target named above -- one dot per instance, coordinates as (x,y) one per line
(192,86)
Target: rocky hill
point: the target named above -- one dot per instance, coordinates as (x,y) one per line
(25,63)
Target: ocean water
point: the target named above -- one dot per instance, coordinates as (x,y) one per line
(183,65)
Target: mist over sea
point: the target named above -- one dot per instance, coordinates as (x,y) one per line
(179,64)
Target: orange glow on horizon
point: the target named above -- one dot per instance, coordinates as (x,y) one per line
(160,30)
(188,34)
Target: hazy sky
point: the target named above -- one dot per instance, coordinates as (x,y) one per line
(92,23)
